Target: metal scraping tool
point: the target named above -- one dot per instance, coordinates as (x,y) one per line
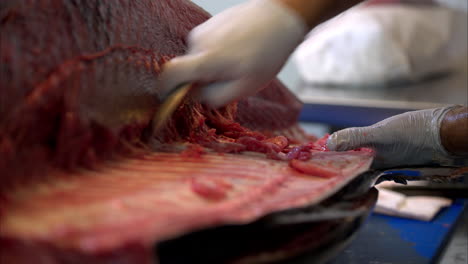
(170,103)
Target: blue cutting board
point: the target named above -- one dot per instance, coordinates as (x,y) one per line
(385,239)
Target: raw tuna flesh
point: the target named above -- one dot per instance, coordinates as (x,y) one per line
(125,206)
(84,179)
(79,83)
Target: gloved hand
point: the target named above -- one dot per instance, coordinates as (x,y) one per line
(412,138)
(238,51)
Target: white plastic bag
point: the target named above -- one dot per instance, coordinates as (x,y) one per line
(378,44)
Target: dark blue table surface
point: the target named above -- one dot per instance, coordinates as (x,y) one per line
(385,239)
(345,115)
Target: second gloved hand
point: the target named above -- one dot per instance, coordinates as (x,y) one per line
(237,51)
(412,138)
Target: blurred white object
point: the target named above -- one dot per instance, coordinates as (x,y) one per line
(461,5)
(415,207)
(377,44)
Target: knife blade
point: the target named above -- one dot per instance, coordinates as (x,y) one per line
(170,103)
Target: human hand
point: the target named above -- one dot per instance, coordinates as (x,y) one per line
(412,138)
(237,51)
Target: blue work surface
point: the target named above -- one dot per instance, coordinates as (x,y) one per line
(346,116)
(386,239)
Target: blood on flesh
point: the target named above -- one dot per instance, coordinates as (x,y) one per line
(84,178)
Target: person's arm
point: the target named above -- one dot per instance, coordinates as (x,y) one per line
(238,51)
(433,136)
(454,131)
(316,12)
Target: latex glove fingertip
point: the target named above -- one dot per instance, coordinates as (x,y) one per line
(347,139)
(332,142)
(180,70)
(218,94)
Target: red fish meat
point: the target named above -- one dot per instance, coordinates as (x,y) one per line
(83,178)
(143,201)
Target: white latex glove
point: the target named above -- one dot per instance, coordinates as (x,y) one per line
(238,51)
(412,138)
